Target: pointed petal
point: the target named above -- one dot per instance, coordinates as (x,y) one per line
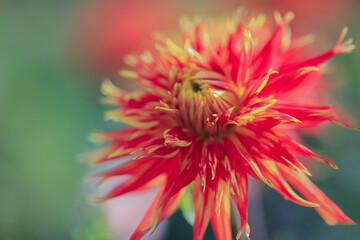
(176,181)
(339,48)
(309,115)
(241,201)
(144,174)
(203,202)
(147,218)
(268,56)
(327,209)
(285,82)
(132,184)
(146,221)
(220,214)
(271,171)
(300,149)
(251,161)
(118,97)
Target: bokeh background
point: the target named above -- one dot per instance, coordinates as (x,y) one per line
(53,56)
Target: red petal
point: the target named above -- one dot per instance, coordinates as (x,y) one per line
(220,214)
(327,209)
(309,115)
(339,48)
(146,221)
(147,218)
(267,58)
(177,136)
(280,184)
(241,200)
(285,82)
(202,206)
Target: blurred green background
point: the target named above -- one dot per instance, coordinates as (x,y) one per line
(49,103)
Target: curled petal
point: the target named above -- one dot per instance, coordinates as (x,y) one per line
(177,136)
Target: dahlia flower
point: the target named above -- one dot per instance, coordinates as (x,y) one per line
(215,109)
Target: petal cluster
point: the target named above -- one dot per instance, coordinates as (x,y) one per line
(214,109)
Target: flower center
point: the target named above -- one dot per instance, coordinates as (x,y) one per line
(199,102)
(196,87)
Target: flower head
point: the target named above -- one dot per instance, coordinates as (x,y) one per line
(214,110)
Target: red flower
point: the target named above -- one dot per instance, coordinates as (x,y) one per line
(213,112)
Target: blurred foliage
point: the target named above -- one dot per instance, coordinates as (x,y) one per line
(47,112)
(186,206)
(94,229)
(48,107)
